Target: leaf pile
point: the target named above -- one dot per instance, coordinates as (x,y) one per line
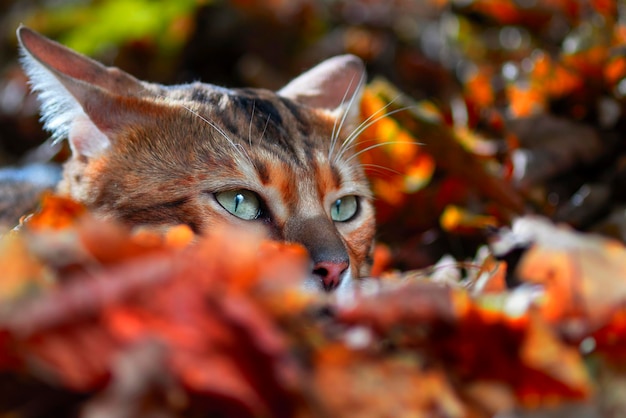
(102,321)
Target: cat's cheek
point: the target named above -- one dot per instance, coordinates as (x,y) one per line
(359,238)
(76,182)
(256,227)
(358,249)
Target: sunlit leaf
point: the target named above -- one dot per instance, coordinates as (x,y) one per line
(524,101)
(563,370)
(56,213)
(606,8)
(23,274)
(615,70)
(583,275)
(419,173)
(394,160)
(479,88)
(455,218)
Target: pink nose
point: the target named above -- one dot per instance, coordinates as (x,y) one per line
(330,273)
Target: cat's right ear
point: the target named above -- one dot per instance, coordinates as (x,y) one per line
(81,99)
(335,85)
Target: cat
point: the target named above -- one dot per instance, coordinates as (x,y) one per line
(203,155)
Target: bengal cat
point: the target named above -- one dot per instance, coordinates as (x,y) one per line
(203,155)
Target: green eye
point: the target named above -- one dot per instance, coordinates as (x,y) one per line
(344,209)
(243,204)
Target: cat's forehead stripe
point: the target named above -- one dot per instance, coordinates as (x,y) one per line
(262,170)
(257,119)
(256,105)
(268,123)
(200,95)
(336,174)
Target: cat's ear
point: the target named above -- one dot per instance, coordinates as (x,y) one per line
(335,84)
(81,99)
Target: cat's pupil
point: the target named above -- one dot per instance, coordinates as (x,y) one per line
(344,209)
(337,207)
(238,200)
(243,204)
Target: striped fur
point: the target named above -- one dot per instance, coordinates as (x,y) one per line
(150,154)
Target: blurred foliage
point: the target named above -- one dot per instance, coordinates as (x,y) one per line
(89,27)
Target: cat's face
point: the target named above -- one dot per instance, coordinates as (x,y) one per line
(203,155)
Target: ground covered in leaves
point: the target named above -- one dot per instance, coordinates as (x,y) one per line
(106,322)
(499,286)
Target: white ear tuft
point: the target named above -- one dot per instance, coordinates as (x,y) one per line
(58,106)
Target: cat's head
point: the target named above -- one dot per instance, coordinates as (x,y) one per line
(203,155)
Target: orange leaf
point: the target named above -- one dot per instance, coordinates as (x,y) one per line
(577,69)
(615,70)
(607,8)
(556,369)
(584,275)
(179,236)
(524,101)
(23,275)
(479,88)
(56,213)
(455,218)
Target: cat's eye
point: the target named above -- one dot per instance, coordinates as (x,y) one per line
(344,209)
(243,204)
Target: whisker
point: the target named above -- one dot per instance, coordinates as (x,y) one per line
(337,129)
(265,128)
(237,147)
(333,135)
(382,144)
(357,132)
(377,168)
(344,150)
(348,138)
(377,141)
(366,141)
(250,125)
(210,123)
(366,124)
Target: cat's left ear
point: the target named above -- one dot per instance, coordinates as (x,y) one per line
(335,84)
(81,99)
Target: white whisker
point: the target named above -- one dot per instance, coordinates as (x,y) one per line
(337,129)
(265,128)
(212,124)
(363,126)
(382,144)
(373,115)
(358,128)
(250,125)
(377,168)
(237,147)
(377,141)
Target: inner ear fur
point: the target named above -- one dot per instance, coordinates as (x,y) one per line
(335,85)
